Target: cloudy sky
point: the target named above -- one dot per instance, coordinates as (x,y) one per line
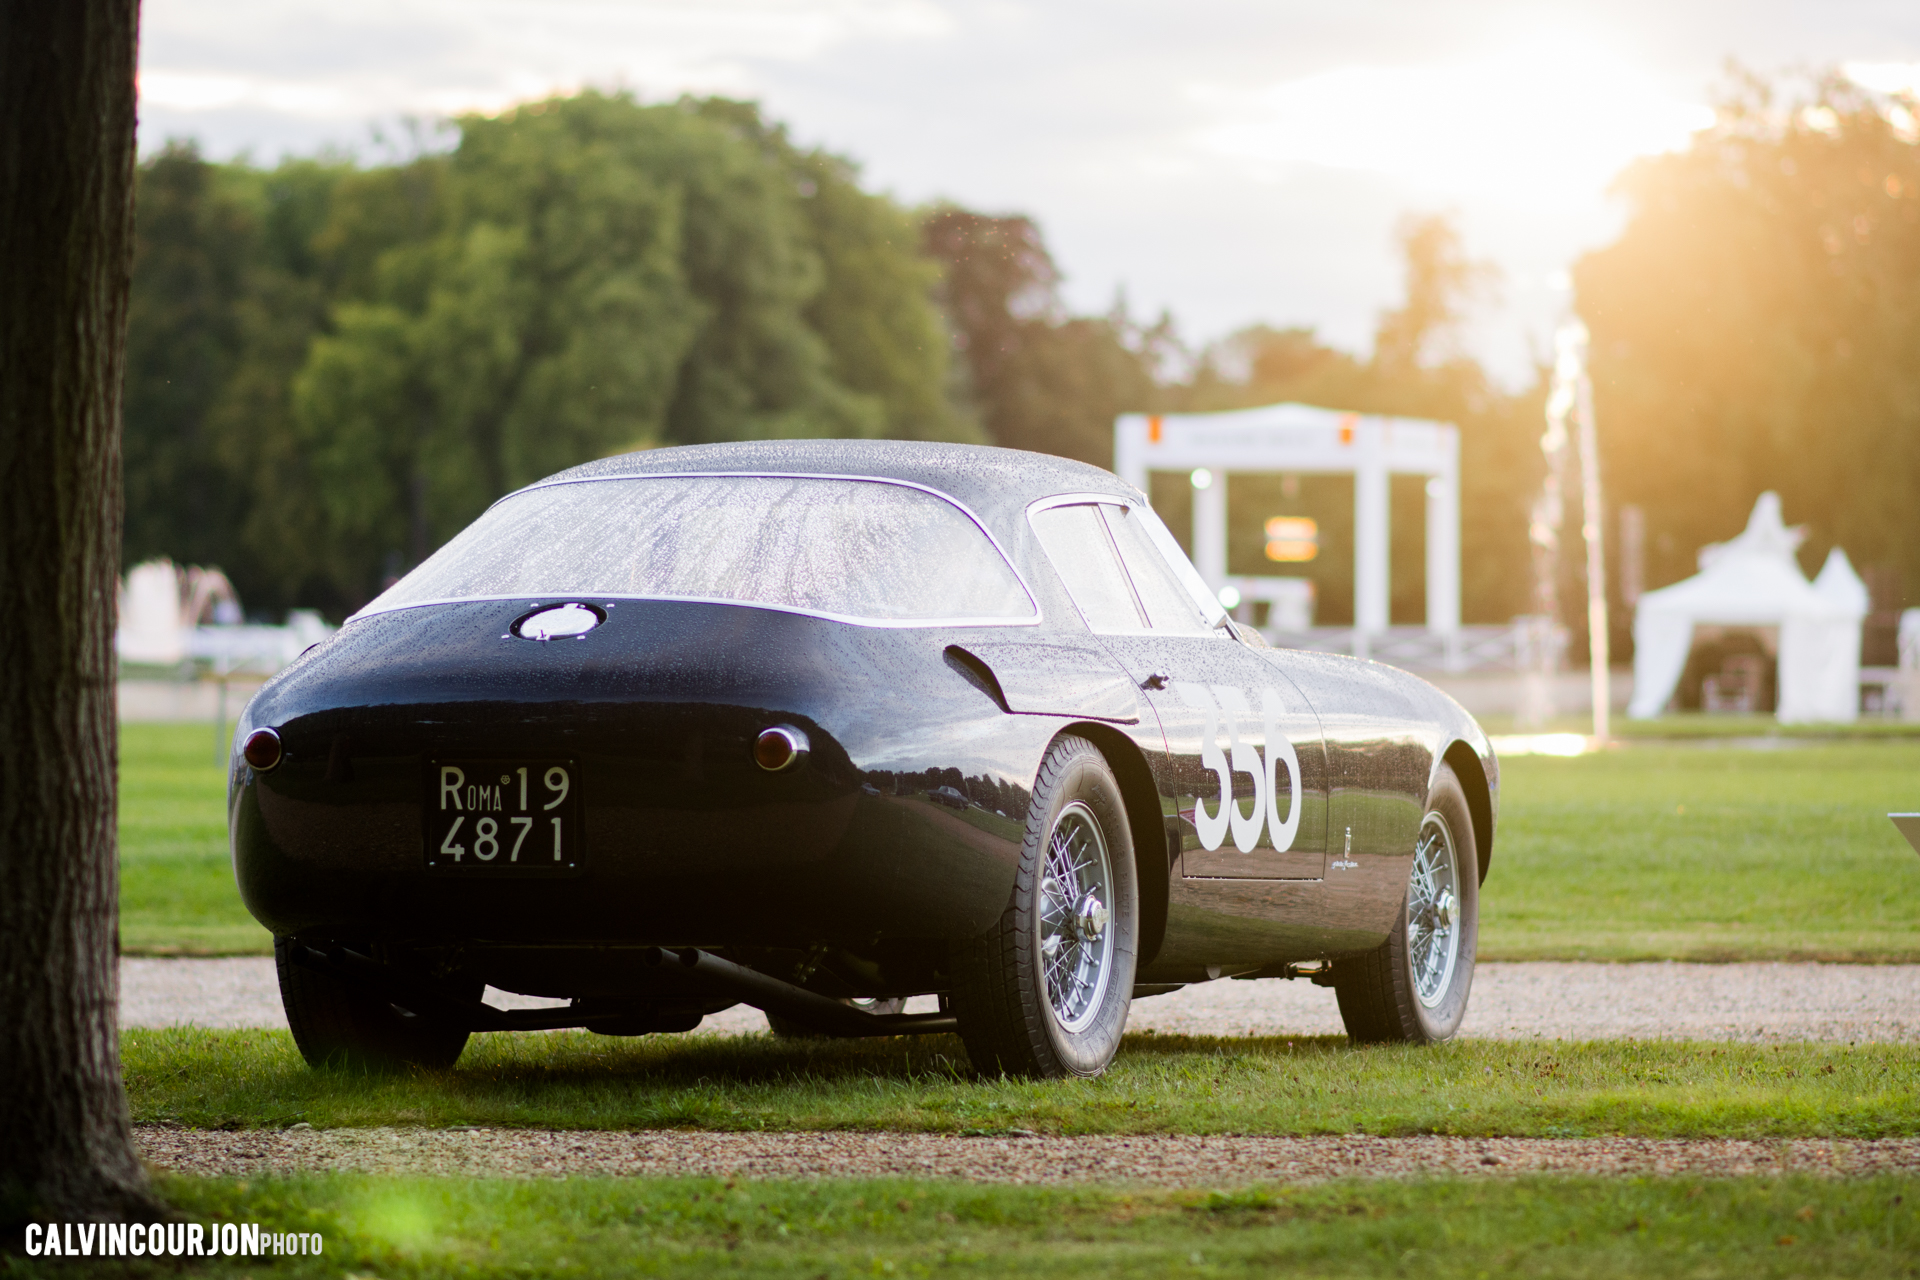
(1230,160)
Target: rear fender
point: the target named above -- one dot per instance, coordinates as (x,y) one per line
(1152,861)
(1473,780)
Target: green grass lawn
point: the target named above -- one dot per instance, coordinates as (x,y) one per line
(1697,725)
(1690,853)
(1158,1084)
(1436,1227)
(1644,853)
(177,895)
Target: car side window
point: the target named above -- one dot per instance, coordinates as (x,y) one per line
(1076,542)
(1168,605)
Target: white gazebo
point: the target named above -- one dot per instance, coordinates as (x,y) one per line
(1304,439)
(1754,581)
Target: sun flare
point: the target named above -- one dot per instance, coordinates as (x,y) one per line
(1537,120)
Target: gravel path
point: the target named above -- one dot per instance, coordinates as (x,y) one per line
(1161,1159)
(1566,1001)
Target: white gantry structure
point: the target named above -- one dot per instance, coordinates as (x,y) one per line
(1303,439)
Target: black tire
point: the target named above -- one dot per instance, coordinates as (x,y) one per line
(1381,997)
(788,1029)
(1010,1015)
(336,1025)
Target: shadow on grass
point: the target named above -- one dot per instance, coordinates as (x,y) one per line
(697,1059)
(1192,1084)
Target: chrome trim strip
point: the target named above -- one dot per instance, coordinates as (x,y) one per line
(583,597)
(1079,499)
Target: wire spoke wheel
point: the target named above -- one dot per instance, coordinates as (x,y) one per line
(1076,888)
(1433,912)
(1044,992)
(1413,987)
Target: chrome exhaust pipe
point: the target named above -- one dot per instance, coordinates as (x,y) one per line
(808,1008)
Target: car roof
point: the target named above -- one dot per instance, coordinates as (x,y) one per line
(996,484)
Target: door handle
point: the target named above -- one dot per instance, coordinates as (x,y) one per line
(1156,680)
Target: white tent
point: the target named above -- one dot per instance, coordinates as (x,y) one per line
(151,629)
(161,603)
(1754,581)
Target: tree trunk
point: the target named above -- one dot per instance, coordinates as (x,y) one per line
(66,175)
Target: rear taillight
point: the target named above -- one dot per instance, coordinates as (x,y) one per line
(779,747)
(262,749)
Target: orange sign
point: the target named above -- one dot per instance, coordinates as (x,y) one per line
(1292,539)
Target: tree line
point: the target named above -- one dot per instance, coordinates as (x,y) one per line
(1757,326)
(333,367)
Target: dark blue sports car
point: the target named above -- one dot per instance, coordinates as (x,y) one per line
(819,726)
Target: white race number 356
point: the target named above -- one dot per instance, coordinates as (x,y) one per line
(1218,702)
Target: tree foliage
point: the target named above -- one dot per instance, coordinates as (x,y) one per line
(883,341)
(337,367)
(1415,370)
(1755,327)
(185,342)
(1041,379)
(1442,282)
(334,367)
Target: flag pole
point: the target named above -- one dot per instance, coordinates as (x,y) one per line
(1574,337)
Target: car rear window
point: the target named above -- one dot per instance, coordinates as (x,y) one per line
(862,550)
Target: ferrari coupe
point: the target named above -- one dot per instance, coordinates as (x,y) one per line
(821,726)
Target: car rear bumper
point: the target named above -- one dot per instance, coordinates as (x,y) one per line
(686,841)
(847,868)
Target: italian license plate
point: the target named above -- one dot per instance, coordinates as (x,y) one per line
(515,816)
